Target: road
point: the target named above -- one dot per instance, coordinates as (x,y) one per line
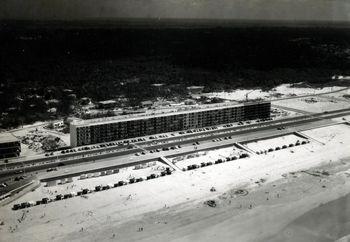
(99,160)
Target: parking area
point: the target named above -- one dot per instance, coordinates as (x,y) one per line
(210,157)
(272,144)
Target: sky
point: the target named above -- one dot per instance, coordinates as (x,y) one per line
(323,10)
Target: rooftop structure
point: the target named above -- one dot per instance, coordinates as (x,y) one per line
(181,109)
(106,104)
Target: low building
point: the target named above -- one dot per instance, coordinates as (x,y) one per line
(84,101)
(10,146)
(106,104)
(146,104)
(195,89)
(57,124)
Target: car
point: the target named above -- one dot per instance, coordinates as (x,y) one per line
(16,206)
(45,200)
(2,185)
(86,191)
(51,169)
(18,178)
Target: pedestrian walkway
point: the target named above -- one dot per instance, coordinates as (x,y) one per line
(243,147)
(169,163)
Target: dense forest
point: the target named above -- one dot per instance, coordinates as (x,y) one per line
(39,61)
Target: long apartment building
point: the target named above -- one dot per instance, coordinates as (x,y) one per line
(98,131)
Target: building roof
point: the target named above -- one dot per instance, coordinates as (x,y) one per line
(7,137)
(195,87)
(147,103)
(181,110)
(107,102)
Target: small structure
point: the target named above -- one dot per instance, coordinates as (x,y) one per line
(84,101)
(57,124)
(52,103)
(146,104)
(106,104)
(195,89)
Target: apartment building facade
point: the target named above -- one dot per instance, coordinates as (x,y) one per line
(92,132)
(9,146)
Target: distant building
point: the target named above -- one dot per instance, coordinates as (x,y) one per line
(190,102)
(68,91)
(57,124)
(72,96)
(104,130)
(146,104)
(52,102)
(158,84)
(10,146)
(341,77)
(84,101)
(107,104)
(52,110)
(195,89)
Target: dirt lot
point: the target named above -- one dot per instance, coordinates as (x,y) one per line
(314,104)
(285,90)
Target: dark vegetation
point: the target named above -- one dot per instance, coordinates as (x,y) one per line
(37,62)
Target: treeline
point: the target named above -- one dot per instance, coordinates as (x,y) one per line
(109,63)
